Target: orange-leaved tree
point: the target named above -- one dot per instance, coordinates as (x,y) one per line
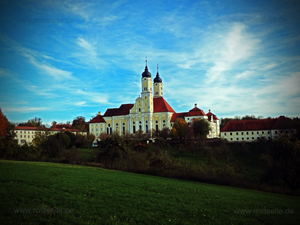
(181,127)
(3,125)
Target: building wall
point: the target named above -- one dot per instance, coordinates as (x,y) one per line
(26,136)
(254,135)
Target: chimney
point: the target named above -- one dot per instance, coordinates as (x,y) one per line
(195,105)
(99,113)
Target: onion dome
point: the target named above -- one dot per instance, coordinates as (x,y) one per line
(157,79)
(146,73)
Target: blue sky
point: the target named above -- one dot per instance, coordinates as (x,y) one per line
(63,59)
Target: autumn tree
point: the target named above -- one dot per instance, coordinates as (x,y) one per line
(80,124)
(7,134)
(181,127)
(201,128)
(3,125)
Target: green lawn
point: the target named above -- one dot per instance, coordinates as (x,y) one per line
(50,193)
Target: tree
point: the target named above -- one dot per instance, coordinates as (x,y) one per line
(201,128)
(224,121)
(7,135)
(80,124)
(181,127)
(282,161)
(36,122)
(3,125)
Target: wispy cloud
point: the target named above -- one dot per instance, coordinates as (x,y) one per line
(34,57)
(24,109)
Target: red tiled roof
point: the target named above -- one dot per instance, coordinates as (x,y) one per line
(196,112)
(53,128)
(178,115)
(161,105)
(27,128)
(263,124)
(209,116)
(97,119)
(284,123)
(122,110)
(61,126)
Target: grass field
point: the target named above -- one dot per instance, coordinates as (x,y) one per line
(50,193)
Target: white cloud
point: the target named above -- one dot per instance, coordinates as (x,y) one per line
(269,66)
(80,103)
(24,109)
(244,75)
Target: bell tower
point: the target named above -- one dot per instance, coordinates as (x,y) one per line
(147,95)
(158,86)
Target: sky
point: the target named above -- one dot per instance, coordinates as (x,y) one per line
(64,59)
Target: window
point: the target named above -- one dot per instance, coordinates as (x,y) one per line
(139,109)
(268,132)
(247,133)
(237,133)
(146,128)
(242,133)
(252,132)
(225,133)
(96,129)
(242,138)
(237,139)
(20,136)
(257,132)
(21,132)
(262,132)
(108,129)
(231,139)
(257,137)
(123,129)
(252,138)
(230,133)
(133,128)
(275,131)
(247,138)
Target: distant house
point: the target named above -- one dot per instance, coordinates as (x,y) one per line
(255,130)
(25,134)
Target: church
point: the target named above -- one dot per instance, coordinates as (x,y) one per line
(150,111)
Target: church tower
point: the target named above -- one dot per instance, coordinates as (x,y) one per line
(158,86)
(147,95)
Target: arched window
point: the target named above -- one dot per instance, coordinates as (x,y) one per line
(156,126)
(109,129)
(139,109)
(133,128)
(146,128)
(123,129)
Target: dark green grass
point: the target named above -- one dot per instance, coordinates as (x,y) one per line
(67,194)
